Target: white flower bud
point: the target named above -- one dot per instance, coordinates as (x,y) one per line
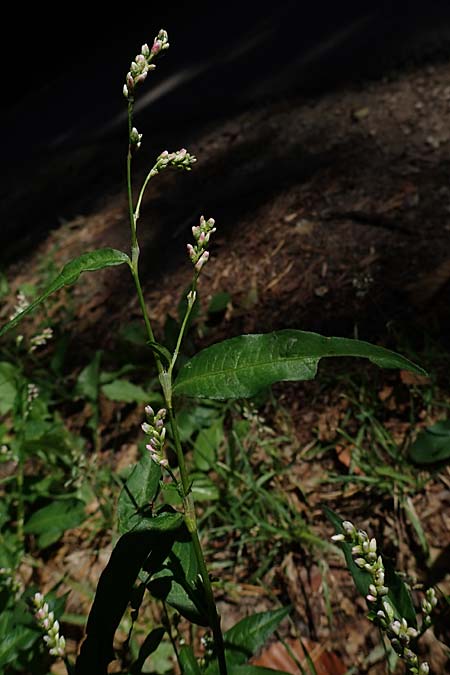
(338,537)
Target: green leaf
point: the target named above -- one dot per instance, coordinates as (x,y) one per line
(89,378)
(399,595)
(8,386)
(206,445)
(138,493)
(88,262)
(248,669)
(114,592)
(150,645)
(219,302)
(178,581)
(125,392)
(203,488)
(50,522)
(249,634)
(161,351)
(188,661)
(244,365)
(432,444)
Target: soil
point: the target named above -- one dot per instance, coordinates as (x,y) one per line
(333,215)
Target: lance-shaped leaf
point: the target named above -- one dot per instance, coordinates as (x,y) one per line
(242,366)
(88,262)
(114,590)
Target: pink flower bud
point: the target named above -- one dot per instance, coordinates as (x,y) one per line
(145,51)
(191,251)
(130,81)
(140,59)
(156,47)
(149,410)
(202,260)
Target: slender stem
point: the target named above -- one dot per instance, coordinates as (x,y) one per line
(148,326)
(141,193)
(129,185)
(168,628)
(20,501)
(191,524)
(165,378)
(214,617)
(183,326)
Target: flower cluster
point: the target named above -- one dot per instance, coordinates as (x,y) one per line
(135,138)
(428,604)
(55,642)
(181,159)
(41,339)
(155,429)
(142,63)
(32,392)
(364,552)
(21,305)
(8,578)
(202,233)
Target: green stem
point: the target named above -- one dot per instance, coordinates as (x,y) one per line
(20,501)
(168,628)
(165,378)
(183,327)
(129,185)
(148,326)
(191,524)
(141,194)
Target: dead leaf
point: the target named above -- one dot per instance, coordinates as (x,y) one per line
(277,656)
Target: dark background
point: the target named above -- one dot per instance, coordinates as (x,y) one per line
(64,70)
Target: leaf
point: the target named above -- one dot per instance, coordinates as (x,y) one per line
(50,522)
(188,662)
(248,669)
(150,645)
(8,386)
(399,595)
(432,444)
(88,262)
(178,581)
(244,365)
(89,378)
(249,634)
(203,488)
(125,392)
(206,445)
(138,493)
(114,591)
(219,302)
(161,351)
